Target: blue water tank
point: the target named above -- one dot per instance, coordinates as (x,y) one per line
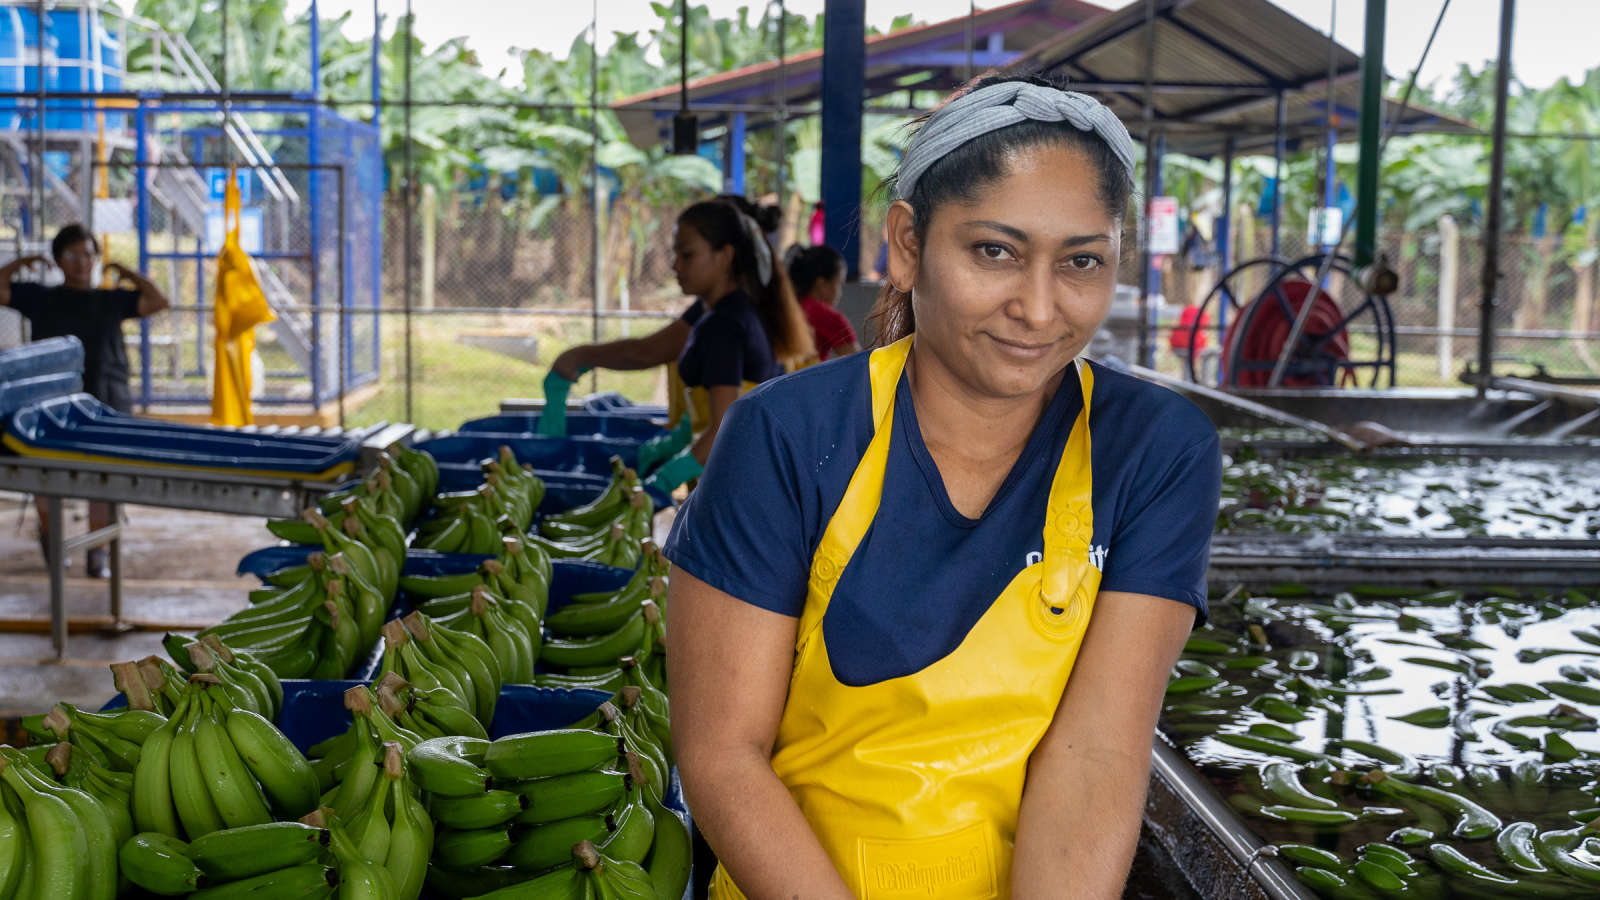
(81,54)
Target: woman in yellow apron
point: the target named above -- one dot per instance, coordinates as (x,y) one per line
(745,326)
(927,597)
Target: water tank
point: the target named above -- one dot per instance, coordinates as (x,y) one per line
(82,53)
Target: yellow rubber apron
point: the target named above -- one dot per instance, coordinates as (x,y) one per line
(696,401)
(913,784)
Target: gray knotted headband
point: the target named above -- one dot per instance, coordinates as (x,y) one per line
(979,112)
(763,250)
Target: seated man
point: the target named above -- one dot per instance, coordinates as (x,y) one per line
(92,315)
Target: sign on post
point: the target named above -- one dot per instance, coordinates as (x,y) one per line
(1163,227)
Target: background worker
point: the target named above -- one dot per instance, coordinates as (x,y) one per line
(817,274)
(743,328)
(94,316)
(926,599)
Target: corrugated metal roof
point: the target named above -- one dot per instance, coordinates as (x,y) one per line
(1020,26)
(1219,66)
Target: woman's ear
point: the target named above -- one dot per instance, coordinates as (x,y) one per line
(904,250)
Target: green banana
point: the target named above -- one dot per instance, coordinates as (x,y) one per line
(602,650)
(670,852)
(613,879)
(152,805)
(236,853)
(544,753)
(565,796)
(446,766)
(1282,780)
(1453,862)
(234,790)
(469,849)
(410,840)
(490,808)
(13,845)
(441,585)
(635,828)
(286,778)
(293,883)
(196,809)
(538,847)
(160,864)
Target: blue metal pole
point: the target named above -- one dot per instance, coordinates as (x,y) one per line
(375,192)
(1158,153)
(198,155)
(1330,176)
(314,214)
(844,74)
(316,52)
(347,277)
(733,158)
(142,198)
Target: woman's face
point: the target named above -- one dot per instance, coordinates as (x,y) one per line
(699,268)
(1008,289)
(826,290)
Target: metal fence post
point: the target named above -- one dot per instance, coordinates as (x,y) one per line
(1449,264)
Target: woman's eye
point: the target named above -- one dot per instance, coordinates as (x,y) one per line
(1084,262)
(993,251)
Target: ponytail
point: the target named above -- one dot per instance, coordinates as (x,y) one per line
(723,222)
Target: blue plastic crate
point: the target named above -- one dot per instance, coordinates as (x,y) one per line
(570,454)
(578,425)
(52,356)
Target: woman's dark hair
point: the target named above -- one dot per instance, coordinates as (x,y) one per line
(718,221)
(68,236)
(808,265)
(964,171)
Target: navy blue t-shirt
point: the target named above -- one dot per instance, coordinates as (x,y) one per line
(727,344)
(924,573)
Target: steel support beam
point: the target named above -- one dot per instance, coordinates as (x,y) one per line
(1492,222)
(1371,133)
(844,71)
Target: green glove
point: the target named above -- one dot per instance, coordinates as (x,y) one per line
(553,419)
(675,471)
(665,445)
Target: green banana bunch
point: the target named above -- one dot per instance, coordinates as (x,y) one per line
(652,564)
(397,488)
(370,726)
(114,790)
(484,658)
(214,766)
(244,688)
(111,740)
(628,639)
(609,878)
(578,620)
(403,657)
(472,521)
(499,627)
(422,712)
(602,510)
(70,847)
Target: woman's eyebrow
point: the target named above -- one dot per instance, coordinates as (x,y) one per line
(1021,236)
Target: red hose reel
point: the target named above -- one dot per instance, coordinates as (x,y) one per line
(1256,338)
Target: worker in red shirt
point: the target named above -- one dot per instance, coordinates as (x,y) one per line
(817,273)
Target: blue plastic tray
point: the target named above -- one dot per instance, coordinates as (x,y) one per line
(562,489)
(20,392)
(611,403)
(569,454)
(78,426)
(578,425)
(51,356)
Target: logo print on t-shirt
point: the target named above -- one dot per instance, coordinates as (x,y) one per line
(1097,556)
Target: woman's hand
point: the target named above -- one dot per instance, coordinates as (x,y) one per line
(730,668)
(570,361)
(1088,777)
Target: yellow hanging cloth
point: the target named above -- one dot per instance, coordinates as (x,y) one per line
(239,306)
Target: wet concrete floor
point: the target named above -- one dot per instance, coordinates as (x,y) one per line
(178,571)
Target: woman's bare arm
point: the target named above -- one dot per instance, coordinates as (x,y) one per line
(1087,779)
(719,398)
(730,666)
(655,349)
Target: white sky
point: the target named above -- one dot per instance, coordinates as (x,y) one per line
(1552,37)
